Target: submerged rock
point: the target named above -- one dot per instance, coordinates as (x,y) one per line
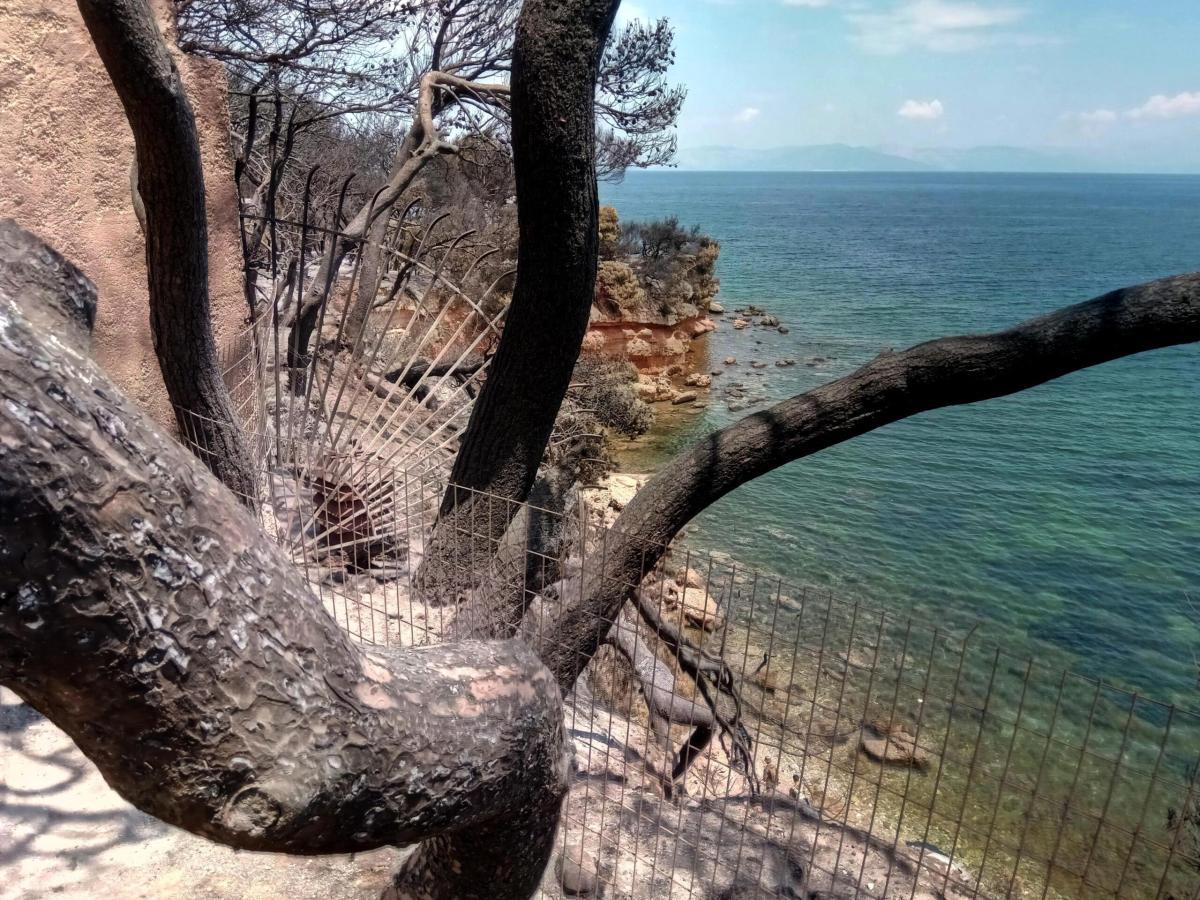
(898,748)
(731,360)
(740,323)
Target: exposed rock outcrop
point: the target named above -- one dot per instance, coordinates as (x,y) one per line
(654,291)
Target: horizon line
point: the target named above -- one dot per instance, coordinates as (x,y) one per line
(929,171)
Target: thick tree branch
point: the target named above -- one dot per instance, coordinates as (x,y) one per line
(556,59)
(893,386)
(146,614)
(170,181)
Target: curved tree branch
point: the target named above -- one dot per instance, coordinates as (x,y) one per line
(893,386)
(147,615)
(170,182)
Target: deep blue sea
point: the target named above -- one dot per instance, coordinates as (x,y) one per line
(1067,518)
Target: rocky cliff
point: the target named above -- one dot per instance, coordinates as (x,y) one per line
(655,289)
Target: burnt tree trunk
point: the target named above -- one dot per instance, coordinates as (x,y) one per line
(556,57)
(170,182)
(893,386)
(146,614)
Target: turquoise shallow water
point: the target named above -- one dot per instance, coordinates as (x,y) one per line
(1059,528)
(1067,518)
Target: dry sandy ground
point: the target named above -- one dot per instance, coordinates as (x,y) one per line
(65,833)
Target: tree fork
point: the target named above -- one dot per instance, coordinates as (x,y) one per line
(145,613)
(170,181)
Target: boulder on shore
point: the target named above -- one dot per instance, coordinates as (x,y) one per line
(700,609)
(621,488)
(716,308)
(685,397)
(577,872)
(698,379)
(767,680)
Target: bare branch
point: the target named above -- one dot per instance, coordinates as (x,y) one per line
(894,386)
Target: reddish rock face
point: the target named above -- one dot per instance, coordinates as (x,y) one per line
(652,347)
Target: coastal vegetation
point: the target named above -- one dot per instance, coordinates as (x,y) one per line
(146,612)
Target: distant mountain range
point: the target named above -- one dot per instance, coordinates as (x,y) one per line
(847,158)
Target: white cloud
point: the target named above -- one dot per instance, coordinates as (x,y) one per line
(1093,123)
(807,4)
(1160,106)
(943,26)
(747,115)
(921,110)
(1096,122)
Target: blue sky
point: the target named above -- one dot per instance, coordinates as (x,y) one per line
(1116,80)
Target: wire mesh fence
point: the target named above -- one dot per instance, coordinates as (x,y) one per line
(879,756)
(737,734)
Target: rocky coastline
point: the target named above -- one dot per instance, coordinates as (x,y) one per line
(656,304)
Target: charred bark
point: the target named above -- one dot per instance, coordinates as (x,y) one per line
(556,58)
(170,183)
(412,374)
(147,615)
(893,386)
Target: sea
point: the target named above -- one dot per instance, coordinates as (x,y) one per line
(1060,525)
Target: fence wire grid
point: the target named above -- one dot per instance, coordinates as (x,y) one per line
(888,758)
(738,735)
